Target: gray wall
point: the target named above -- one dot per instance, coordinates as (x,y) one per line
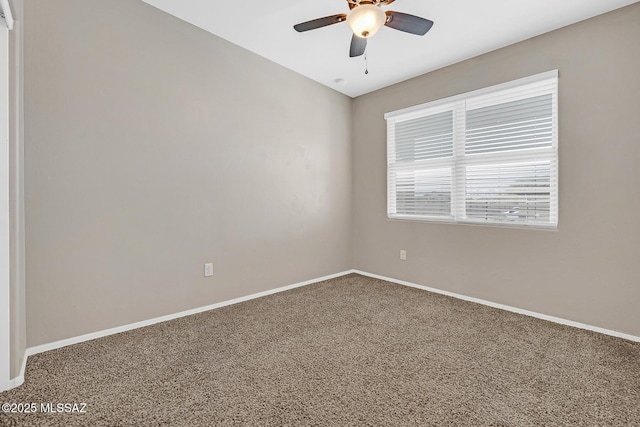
(586,271)
(153,147)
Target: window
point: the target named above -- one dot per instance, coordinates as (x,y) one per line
(484,157)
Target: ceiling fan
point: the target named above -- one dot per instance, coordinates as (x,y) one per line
(365,18)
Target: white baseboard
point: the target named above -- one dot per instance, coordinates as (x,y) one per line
(87,337)
(506,307)
(15,382)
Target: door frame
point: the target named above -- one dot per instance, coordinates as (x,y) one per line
(5,252)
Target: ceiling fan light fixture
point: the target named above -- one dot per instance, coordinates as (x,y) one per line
(366,19)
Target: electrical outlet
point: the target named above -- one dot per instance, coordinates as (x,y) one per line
(403,254)
(208,269)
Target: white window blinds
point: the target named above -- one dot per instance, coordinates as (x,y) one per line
(489,156)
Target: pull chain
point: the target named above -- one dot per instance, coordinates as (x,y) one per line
(366,64)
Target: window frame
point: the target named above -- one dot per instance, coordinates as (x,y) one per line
(540,84)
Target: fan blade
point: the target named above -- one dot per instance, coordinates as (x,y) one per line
(358,46)
(408,23)
(320,22)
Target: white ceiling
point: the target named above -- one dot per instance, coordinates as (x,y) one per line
(462,29)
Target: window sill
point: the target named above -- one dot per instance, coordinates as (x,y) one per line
(541,227)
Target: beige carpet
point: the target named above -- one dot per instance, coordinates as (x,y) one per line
(348,351)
